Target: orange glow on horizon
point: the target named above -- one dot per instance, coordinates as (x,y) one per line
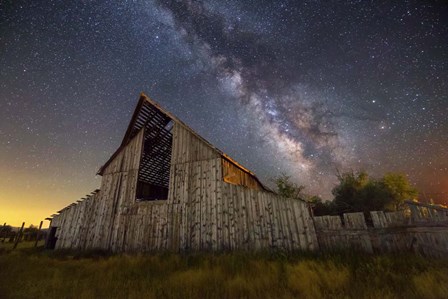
(30,198)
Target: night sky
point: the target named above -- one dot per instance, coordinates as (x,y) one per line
(305,88)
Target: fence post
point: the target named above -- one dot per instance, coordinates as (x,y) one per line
(38,234)
(19,234)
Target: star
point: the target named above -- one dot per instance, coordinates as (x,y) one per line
(296,87)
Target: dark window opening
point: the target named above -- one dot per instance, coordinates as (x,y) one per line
(147,191)
(51,238)
(154,170)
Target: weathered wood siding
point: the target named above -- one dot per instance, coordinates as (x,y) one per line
(188,147)
(416,231)
(94,222)
(202,211)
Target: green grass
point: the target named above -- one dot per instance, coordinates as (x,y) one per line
(34,273)
(21,245)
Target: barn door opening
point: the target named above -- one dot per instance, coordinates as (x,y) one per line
(51,239)
(154,171)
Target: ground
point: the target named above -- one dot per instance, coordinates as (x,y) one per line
(29,272)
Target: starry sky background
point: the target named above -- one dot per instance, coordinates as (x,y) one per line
(301,87)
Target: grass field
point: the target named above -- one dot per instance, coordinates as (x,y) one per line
(35,273)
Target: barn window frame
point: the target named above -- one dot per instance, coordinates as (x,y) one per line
(155,159)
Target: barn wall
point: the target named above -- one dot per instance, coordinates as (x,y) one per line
(76,225)
(187,147)
(93,223)
(202,211)
(209,214)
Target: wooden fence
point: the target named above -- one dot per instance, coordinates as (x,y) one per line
(422,228)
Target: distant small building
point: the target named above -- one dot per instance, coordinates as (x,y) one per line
(166,188)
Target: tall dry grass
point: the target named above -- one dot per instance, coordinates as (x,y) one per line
(29,273)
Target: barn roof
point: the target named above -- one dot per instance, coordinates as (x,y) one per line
(150,113)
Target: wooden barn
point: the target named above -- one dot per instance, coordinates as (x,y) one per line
(166,188)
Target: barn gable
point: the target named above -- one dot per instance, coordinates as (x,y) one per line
(169,141)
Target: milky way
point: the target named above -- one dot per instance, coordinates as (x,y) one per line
(302,87)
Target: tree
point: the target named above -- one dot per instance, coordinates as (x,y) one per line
(321,207)
(357,192)
(374,196)
(399,188)
(347,194)
(30,233)
(5,231)
(288,189)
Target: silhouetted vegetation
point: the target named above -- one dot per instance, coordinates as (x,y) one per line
(356,192)
(31,233)
(6,231)
(7,234)
(287,188)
